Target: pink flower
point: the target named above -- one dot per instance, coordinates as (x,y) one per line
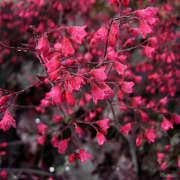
(3,174)
(165,125)
(103,123)
(71,158)
(113,2)
(100,35)
(154,41)
(176,119)
(120,67)
(43,45)
(120,95)
(7,122)
(179,162)
(151,136)
(139,140)
(160,157)
(77,33)
(41,139)
(78,130)
(98,74)
(68,62)
(42,128)
(3,145)
(145,29)
(50,178)
(83,155)
(97,93)
(149,51)
(163,166)
(126,87)
(167,147)
(70,98)
(101,138)
(62,146)
(134,32)
(125,129)
(52,66)
(55,94)
(125,2)
(163,102)
(73,84)
(66,47)
(144,116)
(56,118)
(3,100)
(2,153)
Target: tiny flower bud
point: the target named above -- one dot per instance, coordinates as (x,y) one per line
(71,158)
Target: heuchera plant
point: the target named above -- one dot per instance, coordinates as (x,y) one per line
(126,65)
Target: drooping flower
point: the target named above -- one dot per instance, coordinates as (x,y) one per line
(149,51)
(125,3)
(71,158)
(2,153)
(62,146)
(41,139)
(125,129)
(154,41)
(3,145)
(7,122)
(113,2)
(73,84)
(134,32)
(167,147)
(144,116)
(56,118)
(163,101)
(77,33)
(160,157)
(52,66)
(70,98)
(3,100)
(55,94)
(120,95)
(108,92)
(98,74)
(151,136)
(166,124)
(103,123)
(43,45)
(126,11)
(145,29)
(120,67)
(100,35)
(50,178)
(176,119)
(126,87)
(139,140)
(179,162)
(101,138)
(83,155)
(78,130)
(97,93)
(66,47)
(42,128)
(3,174)
(163,166)
(68,62)
(54,75)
